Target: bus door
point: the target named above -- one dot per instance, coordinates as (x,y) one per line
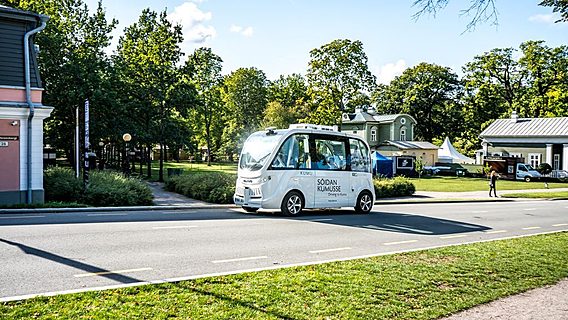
(360,165)
(292,165)
(332,184)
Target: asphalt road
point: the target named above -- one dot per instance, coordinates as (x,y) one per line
(70,252)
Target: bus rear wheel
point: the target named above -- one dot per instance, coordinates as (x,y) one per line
(292,204)
(364,202)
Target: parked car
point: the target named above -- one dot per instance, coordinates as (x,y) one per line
(561,175)
(527,172)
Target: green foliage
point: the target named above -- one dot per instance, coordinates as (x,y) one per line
(544,168)
(60,184)
(429,93)
(111,189)
(396,187)
(338,75)
(214,187)
(105,189)
(560,6)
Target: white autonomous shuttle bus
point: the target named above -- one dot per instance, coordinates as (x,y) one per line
(305,166)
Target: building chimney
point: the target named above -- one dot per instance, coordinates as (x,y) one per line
(514,116)
(371,110)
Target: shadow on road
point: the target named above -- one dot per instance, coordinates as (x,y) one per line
(72,263)
(383,221)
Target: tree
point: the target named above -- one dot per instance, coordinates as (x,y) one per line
(147,56)
(74,68)
(287,98)
(546,69)
(429,93)
(245,97)
(483,10)
(338,75)
(203,68)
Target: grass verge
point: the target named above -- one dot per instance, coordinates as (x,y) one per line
(459,184)
(538,195)
(419,285)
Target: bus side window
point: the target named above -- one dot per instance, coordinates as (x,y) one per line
(292,154)
(359,156)
(330,155)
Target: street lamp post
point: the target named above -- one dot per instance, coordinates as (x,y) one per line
(101,156)
(126,167)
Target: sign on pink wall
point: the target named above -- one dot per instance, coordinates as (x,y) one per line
(9,155)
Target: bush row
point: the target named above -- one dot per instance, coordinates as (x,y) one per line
(105,189)
(214,187)
(396,187)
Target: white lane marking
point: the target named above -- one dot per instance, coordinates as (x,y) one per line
(453,236)
(94,274)
(370,226)
(174,227)
(461,224)
(496,231)
(560,224)
(530,209)
(317,220)
(22,217)
(480,211)
(407,228)
(399,242)
(531,228)
(239,259)
(329,250)
(106,214)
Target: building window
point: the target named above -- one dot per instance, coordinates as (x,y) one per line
(402,120)
(403,134)
(556,162)
(516,155)
(373,134)
(534,159)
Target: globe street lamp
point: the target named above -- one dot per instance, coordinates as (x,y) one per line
(126,167)
(102,153)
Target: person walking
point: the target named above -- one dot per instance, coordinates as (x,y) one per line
(492,181)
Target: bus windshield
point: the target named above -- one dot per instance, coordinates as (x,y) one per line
(257,150)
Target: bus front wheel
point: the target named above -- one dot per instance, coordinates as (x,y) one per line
(292,204)
(364,202)
(249,209)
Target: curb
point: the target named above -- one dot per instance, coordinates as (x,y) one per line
(434,201)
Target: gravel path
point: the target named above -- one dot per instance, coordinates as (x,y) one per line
(550,303)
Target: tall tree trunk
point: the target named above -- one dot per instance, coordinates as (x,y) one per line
(161,171)
(149,161)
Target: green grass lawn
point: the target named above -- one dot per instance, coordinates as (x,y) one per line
(458,184)
(418,285)
(537,195)
(191,166)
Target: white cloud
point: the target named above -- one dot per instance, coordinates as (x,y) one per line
(246,32)
(193,22)
(389,71)
(543,18)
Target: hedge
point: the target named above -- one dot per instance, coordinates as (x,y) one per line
(214,187)
(396,187)
(105,189)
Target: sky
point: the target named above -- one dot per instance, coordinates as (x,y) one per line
(276,36)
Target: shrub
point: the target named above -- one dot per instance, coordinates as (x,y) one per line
(397,187)
(60,184)
(214,187)
(107,189)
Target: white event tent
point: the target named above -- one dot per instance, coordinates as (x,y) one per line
(448,154)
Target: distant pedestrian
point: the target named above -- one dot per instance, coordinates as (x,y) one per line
(492,181)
